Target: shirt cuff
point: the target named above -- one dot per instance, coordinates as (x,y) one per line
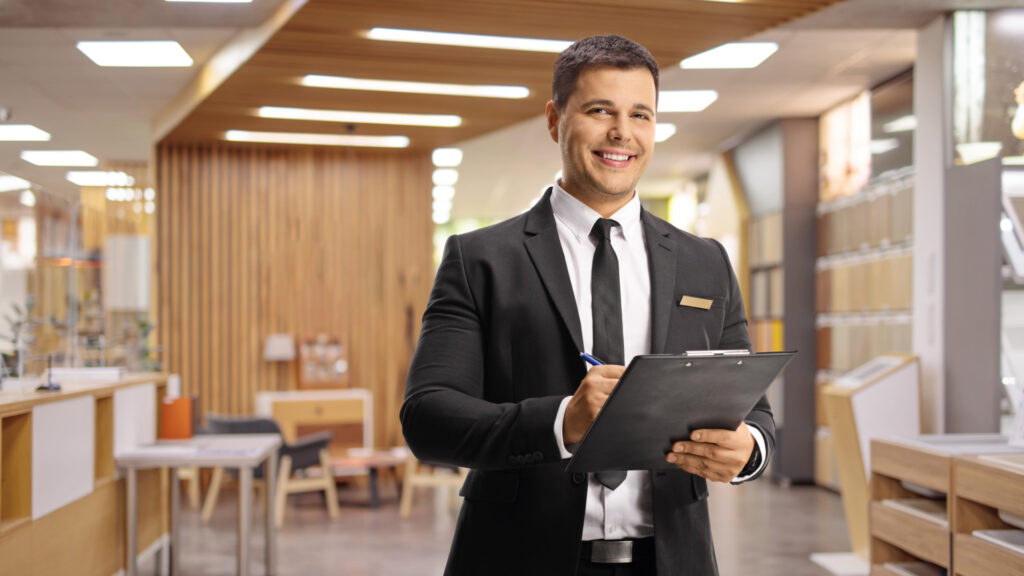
(559,419)
(759,441)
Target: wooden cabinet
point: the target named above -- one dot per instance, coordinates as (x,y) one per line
(348,414)
(986,490)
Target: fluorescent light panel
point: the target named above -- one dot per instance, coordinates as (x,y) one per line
(99,178)
(59,158)
(317,139)
(685,100)
(137,54)
(22,133)
(9,183)
(481,90)
(468,40)
(350,117)
(731,56)
(663,131)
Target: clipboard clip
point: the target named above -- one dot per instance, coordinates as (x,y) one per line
(717,353)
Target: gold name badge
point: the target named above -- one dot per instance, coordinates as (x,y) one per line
(694,302)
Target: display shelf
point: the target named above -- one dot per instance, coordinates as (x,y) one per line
(984,486)
(15,470)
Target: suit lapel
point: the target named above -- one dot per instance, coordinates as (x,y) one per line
(661,258)
(546,252)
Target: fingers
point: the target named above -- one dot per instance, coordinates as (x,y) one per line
(717,455)
(588,400)
(703,467)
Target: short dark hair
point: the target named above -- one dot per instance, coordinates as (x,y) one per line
(614,51)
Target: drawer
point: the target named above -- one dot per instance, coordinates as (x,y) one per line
(926,540)
(974,557)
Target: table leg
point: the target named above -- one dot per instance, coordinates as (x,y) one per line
(270,534)
(131,561)
(175,517)
(374,488)
(244,518)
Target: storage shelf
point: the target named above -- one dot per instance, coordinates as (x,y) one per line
(984,486)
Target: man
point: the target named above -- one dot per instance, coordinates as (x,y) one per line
(497,384)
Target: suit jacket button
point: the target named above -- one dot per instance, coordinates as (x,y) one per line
(579,477)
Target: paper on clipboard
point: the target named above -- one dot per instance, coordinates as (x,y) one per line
(662,398)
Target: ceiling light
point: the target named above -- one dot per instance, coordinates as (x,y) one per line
(731,55)
(28,198)
(349,117)
(446,177)
(443,192)
(482,90)
(9,183)
(135,54)
(906,123)
(22,133)
(442,205)
(442,217)
(1005,224)
(663,131)
(99,178)
(317,139)
(468,40)
(884,145)
(685,100)
(59,158)
(447,157)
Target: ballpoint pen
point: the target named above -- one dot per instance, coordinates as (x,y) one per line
(590,359)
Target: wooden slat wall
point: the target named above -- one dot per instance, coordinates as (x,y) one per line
(255,241)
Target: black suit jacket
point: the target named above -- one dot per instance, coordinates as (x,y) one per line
(499,350)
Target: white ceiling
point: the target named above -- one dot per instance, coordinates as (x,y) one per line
(46,81)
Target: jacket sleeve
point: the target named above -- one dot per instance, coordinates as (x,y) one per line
(445,416)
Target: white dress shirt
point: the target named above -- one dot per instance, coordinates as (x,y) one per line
(627,511)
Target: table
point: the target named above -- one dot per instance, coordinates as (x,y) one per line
(372,461)
(242,451)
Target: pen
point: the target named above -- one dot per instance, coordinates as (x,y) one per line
(590,359)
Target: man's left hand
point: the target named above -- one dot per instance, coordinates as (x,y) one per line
(718,455)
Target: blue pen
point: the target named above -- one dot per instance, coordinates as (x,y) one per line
(590,359)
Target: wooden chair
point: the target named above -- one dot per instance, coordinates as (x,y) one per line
(305,452)
(425,475)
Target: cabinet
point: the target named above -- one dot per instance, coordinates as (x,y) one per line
(988,490)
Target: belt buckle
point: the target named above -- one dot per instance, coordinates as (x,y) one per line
(611,551)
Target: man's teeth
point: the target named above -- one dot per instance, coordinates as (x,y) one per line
(618,157)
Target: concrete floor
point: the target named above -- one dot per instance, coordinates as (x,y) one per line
(760,528)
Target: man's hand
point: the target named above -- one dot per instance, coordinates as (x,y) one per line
(717,455)
(588,400)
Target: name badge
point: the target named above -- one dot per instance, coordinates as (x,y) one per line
(694,302)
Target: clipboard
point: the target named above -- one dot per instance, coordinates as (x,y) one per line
(662,398)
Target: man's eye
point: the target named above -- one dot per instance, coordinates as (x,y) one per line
(641,116)
(598,110)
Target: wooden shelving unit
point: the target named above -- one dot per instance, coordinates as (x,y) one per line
(104,467)
(15,470)
(984,486)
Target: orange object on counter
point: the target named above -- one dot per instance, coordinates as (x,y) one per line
(176,418)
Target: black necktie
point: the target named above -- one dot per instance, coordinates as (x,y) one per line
(606,306)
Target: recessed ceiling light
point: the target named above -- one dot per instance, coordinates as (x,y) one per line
(906,123)
(22,133)
(663,131)
(445,177)
(481,90)
(27,198)
(8,183)
(136,54)
(446,157)
(443,192)
(469,40)
(317,139)
(731,55)
(59,158)
(99,178)
(685,100)
(349,117)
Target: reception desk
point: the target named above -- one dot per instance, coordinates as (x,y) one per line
(62,501)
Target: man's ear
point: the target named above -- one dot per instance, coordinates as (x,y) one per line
(552,114)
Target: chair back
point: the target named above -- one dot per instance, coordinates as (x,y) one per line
(216,424)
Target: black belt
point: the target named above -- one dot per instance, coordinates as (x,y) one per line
(617,551)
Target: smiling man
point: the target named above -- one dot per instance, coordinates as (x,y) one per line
(497,384)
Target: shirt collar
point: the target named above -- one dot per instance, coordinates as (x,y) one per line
(580,218)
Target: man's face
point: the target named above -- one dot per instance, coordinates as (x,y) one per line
(606,132)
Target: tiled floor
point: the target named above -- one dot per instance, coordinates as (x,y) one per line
(759,528)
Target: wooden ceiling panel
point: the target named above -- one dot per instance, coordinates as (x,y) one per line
(329,37)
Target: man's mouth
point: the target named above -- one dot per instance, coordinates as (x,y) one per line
(616,159)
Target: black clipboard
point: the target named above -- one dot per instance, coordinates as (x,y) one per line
(662,398)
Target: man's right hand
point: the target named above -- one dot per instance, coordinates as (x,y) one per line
(588,400)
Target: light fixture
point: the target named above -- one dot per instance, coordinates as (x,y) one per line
(350,117)
(1005,224)
(137,54)
(150,207)
(28,198)
(446,177)
(446,157)
(22,133)
(685,100)
(59,158)
(663,131)
(317,139)
(468,40)
(99,178)
(9,183)
(884,145)
(442,217)
(149,194)
(730,56)
(443,192)
(906,123)
(482,90)
(442,205)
